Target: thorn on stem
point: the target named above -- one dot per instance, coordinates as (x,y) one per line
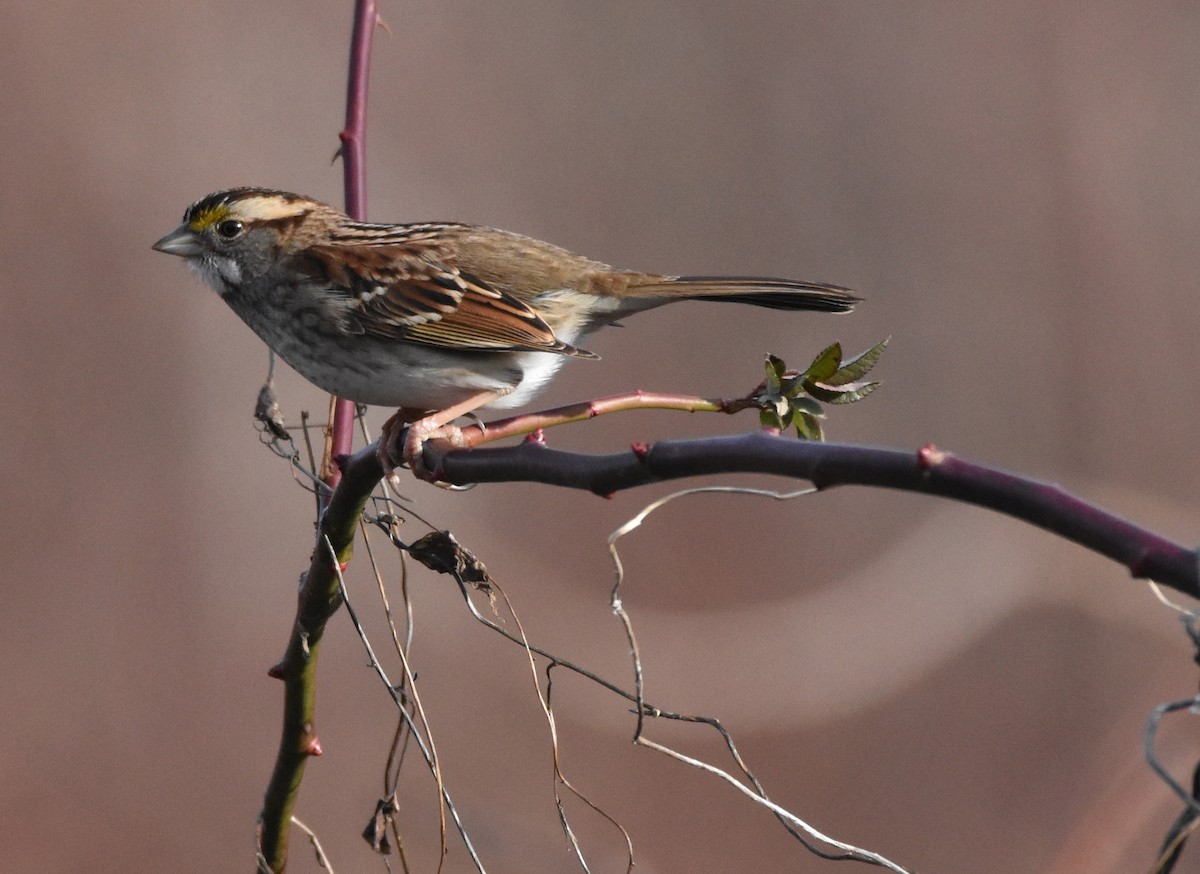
(312,746)
(536,437)
(929,457)
(1137,569)
(640,449)
(278,671)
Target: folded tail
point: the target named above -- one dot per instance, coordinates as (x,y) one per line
(762,291)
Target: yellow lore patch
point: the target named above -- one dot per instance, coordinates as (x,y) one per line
(208,217)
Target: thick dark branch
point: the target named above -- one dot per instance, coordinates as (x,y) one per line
(927,470)
(317,600)
(1146,554)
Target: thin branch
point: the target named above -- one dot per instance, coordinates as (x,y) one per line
(442,553)
(801,830)
(852,852)
(354,166)
(527,423)
(322,859)
(561,778)
(544,699)
(617,603)
(424,742)
(319,598)
(1189,819)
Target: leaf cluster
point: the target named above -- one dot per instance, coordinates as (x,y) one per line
(789,397)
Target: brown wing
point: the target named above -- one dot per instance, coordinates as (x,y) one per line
(403,286)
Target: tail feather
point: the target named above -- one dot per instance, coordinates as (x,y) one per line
(762,291)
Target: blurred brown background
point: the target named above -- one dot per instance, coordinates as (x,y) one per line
(1012,186)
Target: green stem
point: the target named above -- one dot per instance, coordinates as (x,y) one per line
(318,598)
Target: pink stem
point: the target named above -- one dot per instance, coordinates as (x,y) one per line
(354,163)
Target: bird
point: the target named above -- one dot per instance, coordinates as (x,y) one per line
(436,319)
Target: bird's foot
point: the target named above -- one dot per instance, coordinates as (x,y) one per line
(404,437)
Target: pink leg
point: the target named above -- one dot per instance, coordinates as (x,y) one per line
(433,426)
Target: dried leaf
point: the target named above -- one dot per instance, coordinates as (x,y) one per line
(440,552)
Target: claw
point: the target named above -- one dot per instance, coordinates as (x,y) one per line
(389,444)
(414,444)
(397,442)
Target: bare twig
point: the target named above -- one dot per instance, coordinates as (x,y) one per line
(424,742)
(801,830)
(322,859)
(441,552)
(560,778)
(377,837)
(354,164)
(1189,818)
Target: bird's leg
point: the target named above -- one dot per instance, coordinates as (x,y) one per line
(422,428)
(389,438)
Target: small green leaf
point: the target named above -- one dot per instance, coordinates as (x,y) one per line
(787,398)
(792,385)
(807,406)
(825,365)
(808,427)
(854,391)
(842,394)
(775,370)
(857,367)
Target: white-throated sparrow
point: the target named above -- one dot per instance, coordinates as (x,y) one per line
(435,318)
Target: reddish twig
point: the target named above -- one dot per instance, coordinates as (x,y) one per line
(318,598)
(354,166)
(528,423)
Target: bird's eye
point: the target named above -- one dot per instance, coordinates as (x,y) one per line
(229,229)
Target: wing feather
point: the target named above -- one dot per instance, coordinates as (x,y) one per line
(407,289)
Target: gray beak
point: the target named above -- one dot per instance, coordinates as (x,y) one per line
(180,241)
